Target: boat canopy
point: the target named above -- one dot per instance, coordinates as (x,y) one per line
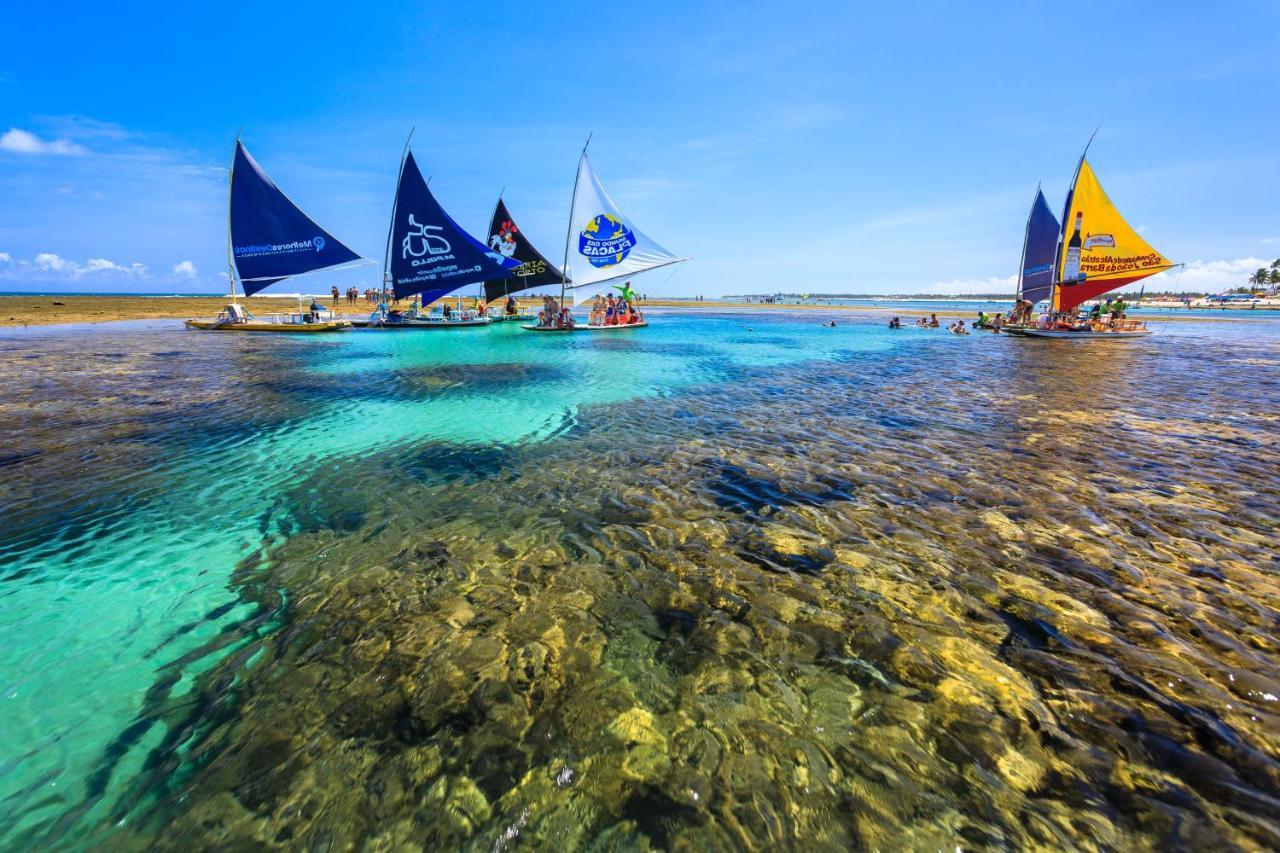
(1112,254)
(602,244)
(506,238)
(429,253)
(1039,249)
(271,238)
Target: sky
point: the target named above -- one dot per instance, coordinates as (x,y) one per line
(785,147)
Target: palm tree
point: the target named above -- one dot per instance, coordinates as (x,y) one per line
(1275,265)
(1261,277)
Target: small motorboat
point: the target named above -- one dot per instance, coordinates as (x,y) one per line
(235,318)
(414,318)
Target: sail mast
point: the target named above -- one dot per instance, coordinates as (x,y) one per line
(1026,233)
(480,298)
(568,234)
(391,223)
(1062,228)
(231,258)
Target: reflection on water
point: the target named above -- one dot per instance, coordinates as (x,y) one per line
(950,593)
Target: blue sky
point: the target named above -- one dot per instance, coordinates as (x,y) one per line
(793,147)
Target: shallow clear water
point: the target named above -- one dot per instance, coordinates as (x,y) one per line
(729,580)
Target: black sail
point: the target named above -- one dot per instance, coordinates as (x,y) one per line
(506,238)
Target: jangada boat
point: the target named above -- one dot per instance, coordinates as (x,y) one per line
(601,247)
(429,256)
(236,318)
(621,327)
(270,239)
(1104,255)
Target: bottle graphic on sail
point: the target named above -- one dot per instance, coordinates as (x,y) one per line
(1071,268)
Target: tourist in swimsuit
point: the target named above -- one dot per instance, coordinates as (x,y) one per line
(933,321)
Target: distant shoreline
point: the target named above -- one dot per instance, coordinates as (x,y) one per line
(60,309)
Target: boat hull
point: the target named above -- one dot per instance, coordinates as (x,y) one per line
(1082,335)
(627,327)
(425,324)
(288,328)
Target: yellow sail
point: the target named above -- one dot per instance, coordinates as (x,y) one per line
(1100,252)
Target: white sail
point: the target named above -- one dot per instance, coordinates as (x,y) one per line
(603,245)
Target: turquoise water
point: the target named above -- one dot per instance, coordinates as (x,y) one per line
(852,556)
(117,560)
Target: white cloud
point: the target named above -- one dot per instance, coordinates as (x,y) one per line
(1208,276)
(961,286)
(59,266)
(1197,276)
(4,258)
(24,142)
(186,269)
(50,262)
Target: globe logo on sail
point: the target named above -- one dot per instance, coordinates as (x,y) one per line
(605,241)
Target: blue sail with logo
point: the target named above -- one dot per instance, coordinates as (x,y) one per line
(271,238)
(1039,249)
(430,254)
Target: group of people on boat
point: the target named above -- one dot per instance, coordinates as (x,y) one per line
(1105,316)
(608,310)
(553,316)
(613,311)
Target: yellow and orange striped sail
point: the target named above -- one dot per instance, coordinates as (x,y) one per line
(1111,253)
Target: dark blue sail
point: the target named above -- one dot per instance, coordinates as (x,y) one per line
(430,253)
(271,238)
(1039,251)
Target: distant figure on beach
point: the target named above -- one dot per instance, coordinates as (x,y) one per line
(335,296)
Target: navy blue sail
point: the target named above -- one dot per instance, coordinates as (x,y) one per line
(271,238)
(430,253)
(1038,252)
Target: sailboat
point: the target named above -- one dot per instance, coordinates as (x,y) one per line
(270,239)
(601,247)
(507,239)
(1039,251)
(1103,253)
(429,256)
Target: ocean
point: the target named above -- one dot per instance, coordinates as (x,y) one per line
(732,580)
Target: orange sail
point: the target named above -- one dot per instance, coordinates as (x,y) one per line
(1100,252)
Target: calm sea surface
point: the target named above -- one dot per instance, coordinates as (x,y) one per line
(734,580)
